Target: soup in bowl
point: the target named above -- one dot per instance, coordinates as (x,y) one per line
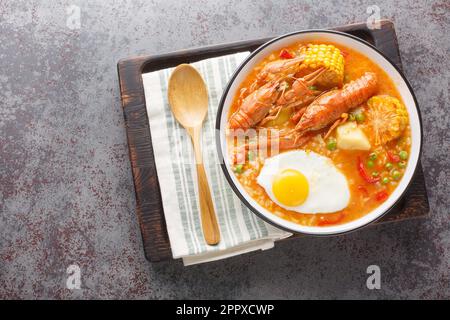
(319,132)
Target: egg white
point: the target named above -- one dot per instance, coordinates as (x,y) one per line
(328,187)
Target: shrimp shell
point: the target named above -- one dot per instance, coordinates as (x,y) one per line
(329,107)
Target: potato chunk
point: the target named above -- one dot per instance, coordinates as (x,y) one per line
(351,137)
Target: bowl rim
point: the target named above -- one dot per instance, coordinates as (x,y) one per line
(219,144)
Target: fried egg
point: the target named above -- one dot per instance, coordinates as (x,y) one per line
(305,182)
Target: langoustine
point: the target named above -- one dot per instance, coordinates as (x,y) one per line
(289,83)
(322,112)
(331,105)
(257,105)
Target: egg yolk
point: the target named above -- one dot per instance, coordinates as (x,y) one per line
(290,187)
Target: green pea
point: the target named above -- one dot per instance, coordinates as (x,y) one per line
(402,164)
(375,174)
(370,164)
(385,180)
(403,155)
(360,117)
(389,166)
(351,117)
(396,174)
(372,156)
(239,168)
(331,144)
(313,88)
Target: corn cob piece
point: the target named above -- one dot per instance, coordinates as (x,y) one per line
(388,118)
(328,56)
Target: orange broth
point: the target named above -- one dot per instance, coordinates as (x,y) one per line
(364,196)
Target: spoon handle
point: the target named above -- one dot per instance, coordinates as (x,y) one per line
(209,221)
(210,227)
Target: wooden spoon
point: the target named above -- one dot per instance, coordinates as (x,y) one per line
(188,100)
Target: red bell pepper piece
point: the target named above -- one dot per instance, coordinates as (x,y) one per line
(330,219)
(284,54)
(393,157)
(363,173)
(381,196)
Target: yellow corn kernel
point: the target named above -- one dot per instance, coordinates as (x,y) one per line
(387,116)
(328,56)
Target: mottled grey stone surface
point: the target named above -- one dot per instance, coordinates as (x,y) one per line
(66,186)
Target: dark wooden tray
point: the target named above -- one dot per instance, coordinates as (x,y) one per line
(148,197)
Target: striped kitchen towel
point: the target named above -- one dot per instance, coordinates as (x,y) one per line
(241,231)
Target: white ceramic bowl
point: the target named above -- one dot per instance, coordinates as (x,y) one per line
(372,53)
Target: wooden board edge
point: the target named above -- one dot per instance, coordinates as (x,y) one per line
(140,61)
(130,101)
